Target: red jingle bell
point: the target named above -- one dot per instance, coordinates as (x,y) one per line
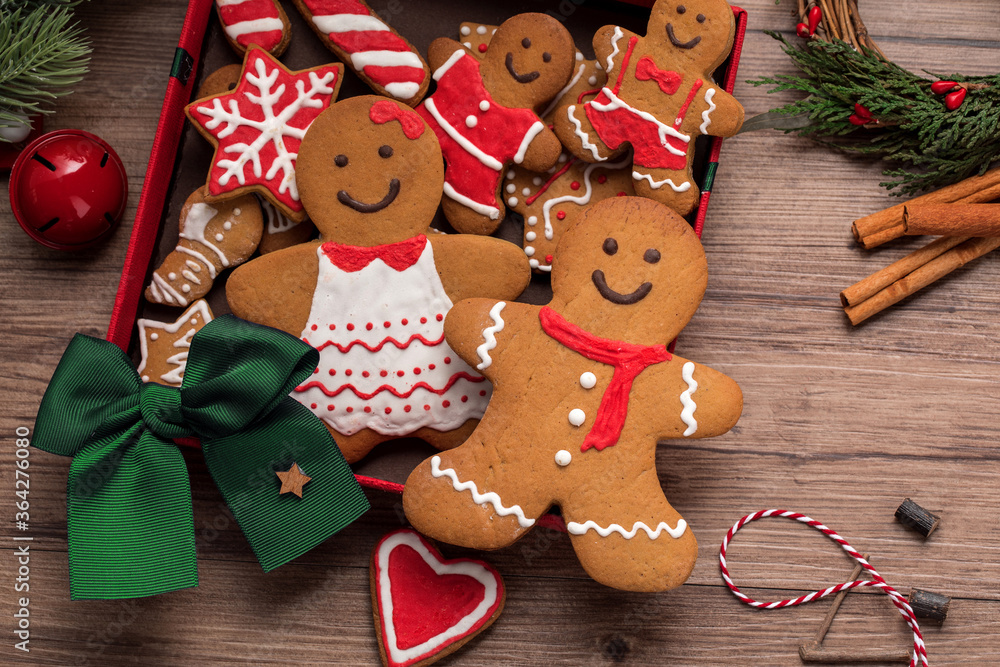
(68,189)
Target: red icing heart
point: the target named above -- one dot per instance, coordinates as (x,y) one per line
(425,604)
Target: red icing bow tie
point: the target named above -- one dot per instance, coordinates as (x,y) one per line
(400,256)
(667,80)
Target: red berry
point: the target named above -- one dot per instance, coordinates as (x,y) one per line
(942,87)
(862,111)
(854,119)
(802,30)
(815,15)
(954,99)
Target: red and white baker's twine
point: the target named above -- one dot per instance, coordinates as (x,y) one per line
(919,650)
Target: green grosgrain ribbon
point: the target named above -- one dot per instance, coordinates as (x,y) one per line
(131,531)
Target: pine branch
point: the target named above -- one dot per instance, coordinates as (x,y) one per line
(42,54)
(909,123)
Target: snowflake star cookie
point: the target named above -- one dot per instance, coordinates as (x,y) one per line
(659,97)
(163,347)
(372,293)
(584,388)
(258,127)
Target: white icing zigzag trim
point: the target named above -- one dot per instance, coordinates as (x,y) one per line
(580,528)
(706,114)
(490,338)
(683,187)
(584,137)
(581,200)
(618,34)
(687,414)
(480,498)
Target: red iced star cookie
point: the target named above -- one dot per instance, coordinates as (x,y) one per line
(258,127)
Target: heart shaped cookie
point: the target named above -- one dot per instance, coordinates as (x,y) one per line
(426,607)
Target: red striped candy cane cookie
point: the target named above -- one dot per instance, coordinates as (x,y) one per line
(368,45)
(260,22)
(876,581)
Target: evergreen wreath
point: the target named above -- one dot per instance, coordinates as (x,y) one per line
(42,54)
(941,130)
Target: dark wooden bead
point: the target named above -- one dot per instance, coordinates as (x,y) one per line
(929,605)
(913,515)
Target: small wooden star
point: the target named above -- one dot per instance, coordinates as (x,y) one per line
(292,480)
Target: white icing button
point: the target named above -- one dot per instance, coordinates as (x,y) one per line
(563,458)
(171,276)
(533,263)
(154,336)
(219,237)
(484,106)
(579,56)
(577,416)
(471,121)
(466,30)
(530,236)
(494,31)
(145,378)
(227,225)
(185,288)
(194,320)
(510,174)
(467,45)
(592,80)
(562,157)
(481,30)
(537,180)
(511,188)
(526,192)
(532,220)
(236,211)
(512,201)
(529,251)
(598,65)
(588,380)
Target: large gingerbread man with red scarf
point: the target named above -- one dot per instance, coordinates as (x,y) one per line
(659,98)
(584,388)
(372,293)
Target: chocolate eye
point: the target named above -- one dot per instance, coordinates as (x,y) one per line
(652,256)
(546,56)
(700,18)
(340,160)
(681,9)
(525,42)
(610,246)
(385,151)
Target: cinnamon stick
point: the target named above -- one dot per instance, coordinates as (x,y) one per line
(952,219)
(974,190)
(937,268)
(879,280)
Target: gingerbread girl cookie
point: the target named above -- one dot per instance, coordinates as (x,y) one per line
(482,113)
(584,388)
(371,294)
(658,98)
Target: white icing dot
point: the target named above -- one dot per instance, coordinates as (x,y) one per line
(563,458)
(537,180)
(588,380)
(530,236)
(511,188)
(512,201)
(579,56)
(481,30)
(471,121)
(465,30)
(526,192)
(592,80)
(529,251)
(145,378)
(185,288)
(562,157)
(510,174)
(494,31)
(219,237)
(484,106)
(236,211)
(171,276)
(533,263)
(577,416)
(154,336)
(598,65)
(467,45)
(194,321)
(227,225)
(532,220)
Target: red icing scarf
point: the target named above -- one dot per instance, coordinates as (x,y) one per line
(628,360)
(400,256)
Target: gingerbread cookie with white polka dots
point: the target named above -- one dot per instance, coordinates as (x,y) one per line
(164,346)
(584,389)
(476,37)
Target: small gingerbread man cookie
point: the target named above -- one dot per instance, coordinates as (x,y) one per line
(584,388)
(164,346)
(372,293)
(483,113)
(659,98)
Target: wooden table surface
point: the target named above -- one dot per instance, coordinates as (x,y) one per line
(840,423)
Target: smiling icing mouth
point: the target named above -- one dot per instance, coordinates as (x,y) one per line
(521,78)
(361,207)
(678,43)
(617,297)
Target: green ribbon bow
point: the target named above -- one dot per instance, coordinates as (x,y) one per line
(131,531)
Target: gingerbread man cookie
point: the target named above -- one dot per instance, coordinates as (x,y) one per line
(658,98)
(483,113)
(583,389)
(371,294)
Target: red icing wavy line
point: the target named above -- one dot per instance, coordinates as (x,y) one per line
(390,339)
(392,390)
(531,200)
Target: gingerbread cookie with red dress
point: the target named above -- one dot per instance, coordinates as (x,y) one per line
(372,293)
(483,113)
(659,98)
(584,388)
